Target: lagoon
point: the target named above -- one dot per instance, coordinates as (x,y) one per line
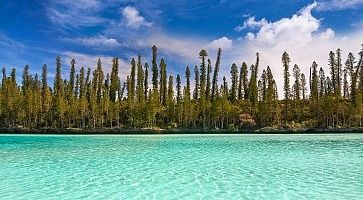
(291,166)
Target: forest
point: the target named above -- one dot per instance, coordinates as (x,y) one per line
(152,98)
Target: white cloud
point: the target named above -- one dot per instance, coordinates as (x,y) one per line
(85,4)
(251,23)
(246,15)
(96,41)
(223,42)
(297,30)
(186,48)
(301,36)
(90,61)
(357,24)
(133,19)
(9,57)
(331,5)
(70,19)
(5,41)
(74,13)
(327,35)
(250,36)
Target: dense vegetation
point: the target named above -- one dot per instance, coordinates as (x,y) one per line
(94,99)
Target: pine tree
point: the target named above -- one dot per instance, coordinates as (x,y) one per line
(297,76)
(179,99)
(234,82)
(139,107)
(270,96)
(146,81)
(26,93)
(44,78)
(94,101)
(333,71)
(272,111)
(360,67)
(140,82)
(286,63)
(315,86)
(4,76)
(303,86)
(187,80)
(263,87)
(46,96)
(163,82)
(88,84)
(76,89)
(155,71)
(225,88)
(202,86)
(314,82)
(322,83)
(240,86)
(70,103)
(208,89)
(26,78)
(345,84)
(253,87)
(99,77)
(121,90)
(72,77)
(215,74)
(105,102)
(329,86)
(114,85)
(82,86)
(260,91)
(353,71)
(203,74)
(13,76)
(187,104)
(170,99)
(131,89)
(58,101)
(58,77)
(338,74)
(36,101)
(82,96)
(196,85)
(257,63)
(244,72)
(178,89)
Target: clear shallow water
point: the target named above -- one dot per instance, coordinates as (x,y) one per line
(182,167)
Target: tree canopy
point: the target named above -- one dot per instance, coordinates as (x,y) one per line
(249,99)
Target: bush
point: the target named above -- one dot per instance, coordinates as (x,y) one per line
(309,124)
(231,127)
(246,121)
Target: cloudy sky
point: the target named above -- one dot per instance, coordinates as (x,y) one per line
(35,32)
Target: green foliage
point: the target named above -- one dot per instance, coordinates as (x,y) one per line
(215,75)
(114,79)
(163,82)
(234,83)
(286,64)
(92,99)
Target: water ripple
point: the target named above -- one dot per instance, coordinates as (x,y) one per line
(182,167)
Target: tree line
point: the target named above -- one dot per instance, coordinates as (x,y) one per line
(92,99)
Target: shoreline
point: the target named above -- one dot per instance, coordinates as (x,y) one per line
(124,131)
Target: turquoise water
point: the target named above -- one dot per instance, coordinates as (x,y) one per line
(181,167)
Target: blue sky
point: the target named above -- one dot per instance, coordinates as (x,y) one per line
(35,32)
